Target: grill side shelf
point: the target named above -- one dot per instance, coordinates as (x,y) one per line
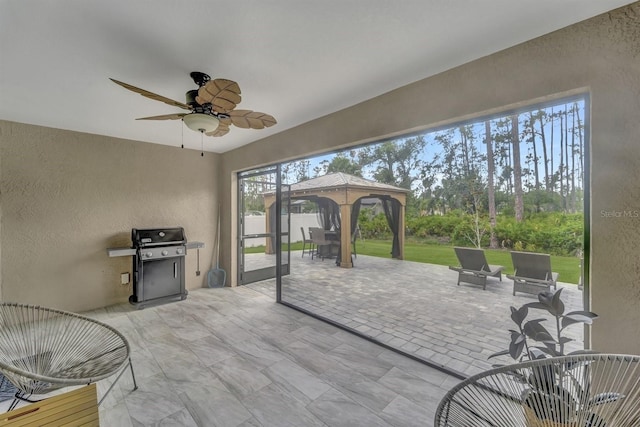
(115,252)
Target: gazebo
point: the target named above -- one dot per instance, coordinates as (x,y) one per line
(338,196)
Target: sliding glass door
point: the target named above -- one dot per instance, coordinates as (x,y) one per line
(263,226)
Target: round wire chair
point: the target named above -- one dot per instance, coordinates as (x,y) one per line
(44,349)
(587,390)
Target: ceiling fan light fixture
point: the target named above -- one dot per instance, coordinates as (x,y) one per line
(199,122)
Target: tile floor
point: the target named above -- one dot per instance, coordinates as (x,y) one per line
(234,357)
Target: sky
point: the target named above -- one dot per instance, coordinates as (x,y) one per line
(433,147)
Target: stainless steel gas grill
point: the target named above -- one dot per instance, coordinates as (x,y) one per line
(158,265)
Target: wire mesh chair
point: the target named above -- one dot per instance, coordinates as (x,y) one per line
(588,390)
(44,349)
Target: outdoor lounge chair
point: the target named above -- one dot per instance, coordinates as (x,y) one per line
(532,273)
(474,267)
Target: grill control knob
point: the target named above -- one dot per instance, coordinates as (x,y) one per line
(161,234)
(179,251)
(149,254)
(165,253)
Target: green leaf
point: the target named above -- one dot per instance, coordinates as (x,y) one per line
(499,353)
(515,350)
(550,349)
(557,304)
(517,338)
(564,340)
(537,353)
(518,315)
(538,305)
(590,314)
(546,299)
(585,317)
(534,330)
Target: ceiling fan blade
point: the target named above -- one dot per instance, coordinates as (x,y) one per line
(221,130)
(223,94)
(152,95)
(248,119)
(174,116)
(226,120)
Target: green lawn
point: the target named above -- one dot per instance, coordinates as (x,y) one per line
(567,267)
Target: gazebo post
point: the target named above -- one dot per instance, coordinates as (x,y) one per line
(268,246)
(401,228)
(345,236)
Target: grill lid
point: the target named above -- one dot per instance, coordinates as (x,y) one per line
(149,237)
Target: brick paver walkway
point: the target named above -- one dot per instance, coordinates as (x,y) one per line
(415,307)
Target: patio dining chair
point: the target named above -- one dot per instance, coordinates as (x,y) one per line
(324,246)
(474,267)
(44,349)
(306,242)
(532,272)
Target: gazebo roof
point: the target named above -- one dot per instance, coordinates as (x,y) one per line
(342,180)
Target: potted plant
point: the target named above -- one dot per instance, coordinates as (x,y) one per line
(548,386)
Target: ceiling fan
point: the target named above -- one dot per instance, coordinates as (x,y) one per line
(211,107)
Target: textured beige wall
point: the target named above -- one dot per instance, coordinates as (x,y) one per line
(600,56)
(66,197)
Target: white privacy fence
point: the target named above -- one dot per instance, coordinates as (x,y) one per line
(258,225)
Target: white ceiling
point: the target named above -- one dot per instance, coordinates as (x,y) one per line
(294,59)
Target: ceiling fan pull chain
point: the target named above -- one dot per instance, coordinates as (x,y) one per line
(201,143)
(182,129)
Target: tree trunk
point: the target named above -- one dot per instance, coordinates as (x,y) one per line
(552,182)
(566,161)
(536,173)
(544,151)
(573,157)
(517,169)
(493,241)
(561,167)
(581,152)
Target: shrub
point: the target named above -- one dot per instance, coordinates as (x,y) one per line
(555,233)
(375,227)
(433,225)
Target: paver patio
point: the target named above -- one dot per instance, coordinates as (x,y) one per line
(415,307)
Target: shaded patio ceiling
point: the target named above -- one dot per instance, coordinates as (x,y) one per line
(295,60)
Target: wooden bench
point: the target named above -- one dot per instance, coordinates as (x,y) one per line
(78,407)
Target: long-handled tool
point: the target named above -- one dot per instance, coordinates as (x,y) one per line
(217,277)
(198,264)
